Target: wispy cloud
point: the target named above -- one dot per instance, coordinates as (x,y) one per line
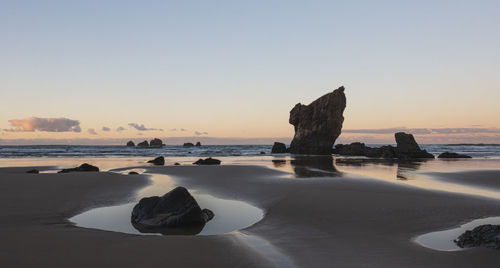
(198,133)
(119,129)
(423,131)
(105,129)
(46,124)
(180,129)
(92,131)
(142,127)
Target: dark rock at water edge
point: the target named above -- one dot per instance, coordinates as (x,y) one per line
(453,155)
(82,168)
(143,144)
(159,161)
(188,144)
(318,124)
(198,144)
(208,161)
(130,144)
(278,148)
(176,208)
(487,236)
(262,152)
(156,143)
(33,171)
(177,164)
(407,147)
(133,173)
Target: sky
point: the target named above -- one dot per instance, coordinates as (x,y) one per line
(110,70)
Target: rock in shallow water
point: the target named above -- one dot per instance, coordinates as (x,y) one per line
(176,208)
(278,148)
(407,147)
(83,167)
(453,155)
(482,236)
(207,161)
(318,124)
(159,161)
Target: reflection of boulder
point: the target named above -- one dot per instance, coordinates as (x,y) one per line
(453,155)
(279,162)
(314,166)
(403,171)
(159,161)
(318,124)
(188,144)
(278,148)
(487,236)
(207,161)
(130,144)
(176,208)
(143,144)
(82,168)
(156,143)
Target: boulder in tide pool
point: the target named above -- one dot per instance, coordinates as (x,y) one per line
(143,144)
(278,148)
(487,236)
(82,168)
(176,208)
(159,161)
(453,155)
(207,161)
(130,144)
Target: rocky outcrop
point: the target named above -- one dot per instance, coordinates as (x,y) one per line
(130,144)
(159,161)
(82,168)
(487,236)
(318,124)
(207,161)
(33,171)
(176,208)
(198,144)
(453,155)
(188,144)
(279,148)
(143,144)
(133,173)
(407,147)
(156,143)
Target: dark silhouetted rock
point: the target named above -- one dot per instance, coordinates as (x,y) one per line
(207,161)
(278,148)
(130,144)
(176,208)
(156,143)
(198,144)
(487,236)
(133,173)
(262,152)
(159,161)
(318,124)
(177,164)
(407,147)
(453,155)
(188,144)
(82,168)
(33,171)
(143,144)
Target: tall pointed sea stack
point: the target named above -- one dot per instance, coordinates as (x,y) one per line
(318,124)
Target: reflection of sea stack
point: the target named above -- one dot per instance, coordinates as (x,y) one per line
(318,124)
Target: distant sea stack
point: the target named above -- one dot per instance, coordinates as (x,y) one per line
(143,144)
(156,143)
(318,124)
(130,144)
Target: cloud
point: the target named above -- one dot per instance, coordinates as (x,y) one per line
(92,131)
(197,133)
(423,131)
(120,129)
(46,124)
(175,129)
(183,129)
(106,129)
(142,127)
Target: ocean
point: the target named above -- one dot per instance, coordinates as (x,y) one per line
(63,151)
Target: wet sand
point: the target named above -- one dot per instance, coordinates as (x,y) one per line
(317,222)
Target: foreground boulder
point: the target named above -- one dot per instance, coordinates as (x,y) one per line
(318,124)
(143,144)
(156,143)
(207,161)
(188,144)
(176,208)
(82,168)
(159,161)
(453,155)
(407,147)
(278,148)
(130,144)
(487,236)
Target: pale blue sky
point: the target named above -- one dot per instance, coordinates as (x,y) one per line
(236,68)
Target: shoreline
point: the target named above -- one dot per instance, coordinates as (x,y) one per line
(307,219)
